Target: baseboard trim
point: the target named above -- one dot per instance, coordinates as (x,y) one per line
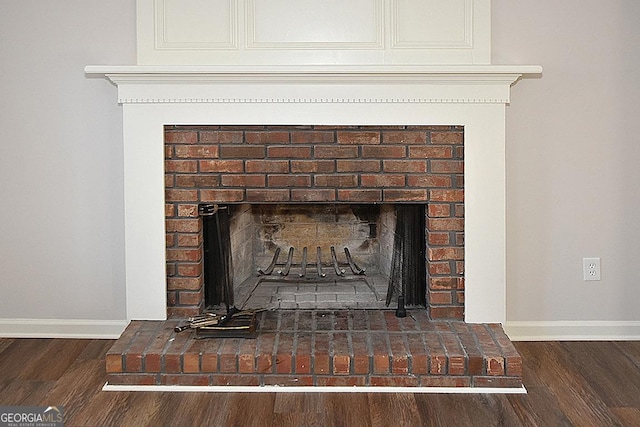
(62,328)
(312,389)
(516,330)
(573,330)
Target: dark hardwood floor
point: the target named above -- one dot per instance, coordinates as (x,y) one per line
(569,383)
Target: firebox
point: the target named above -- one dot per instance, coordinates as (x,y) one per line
(316,256)
(315,217)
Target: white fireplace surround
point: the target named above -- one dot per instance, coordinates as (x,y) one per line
(474,96)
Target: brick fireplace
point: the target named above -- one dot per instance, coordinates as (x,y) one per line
(339,165)
(471,97)
(260,107)
(311,135)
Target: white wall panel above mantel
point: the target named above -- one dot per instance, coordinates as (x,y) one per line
(277,32)
(313,24)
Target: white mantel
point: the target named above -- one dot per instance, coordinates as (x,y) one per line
(474,96)
(370,84)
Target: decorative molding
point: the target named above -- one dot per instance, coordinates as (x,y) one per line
(62,328)
(397,24)
(253,43)
(345,85)
(573,330)
(163,41)
(489,75)
(312,101)
(273,32)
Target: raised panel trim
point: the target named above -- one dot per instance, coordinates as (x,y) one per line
(242,48)
(160,38)
(253,44)
(466,43)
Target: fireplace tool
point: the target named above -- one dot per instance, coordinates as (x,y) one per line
(234,323)
(240,324)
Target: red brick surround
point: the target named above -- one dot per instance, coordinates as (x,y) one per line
(315,164)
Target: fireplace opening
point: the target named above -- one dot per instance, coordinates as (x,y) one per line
(314,256)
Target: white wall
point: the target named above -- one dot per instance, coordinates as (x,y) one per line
(573,151)
(572,160)
(61,238)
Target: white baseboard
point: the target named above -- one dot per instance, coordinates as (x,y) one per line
(573,330)
(62,328)
(516,330)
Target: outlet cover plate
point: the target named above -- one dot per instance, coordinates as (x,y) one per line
(591,268)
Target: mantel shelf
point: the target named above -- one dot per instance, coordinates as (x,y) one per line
(313,84)
(313,74)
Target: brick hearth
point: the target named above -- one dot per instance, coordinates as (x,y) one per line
(321,348)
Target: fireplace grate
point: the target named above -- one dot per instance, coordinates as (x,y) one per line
(334,271)
(319,264)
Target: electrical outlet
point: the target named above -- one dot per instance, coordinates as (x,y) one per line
(591,268)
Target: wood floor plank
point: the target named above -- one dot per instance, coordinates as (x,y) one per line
(631,349)
(538,395)
(295,419)
(350,409)
(20,393)
(103,409)
(628,416)
(257,409)
(393,409)
(530,377)
(178,409)
(298,403)
(19,356)
(611,374)
(527,408)
(214,409)
(134,409)
(578,401)
(75,389)
(4,343)
(466,410)
(95,349)
(54,359)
